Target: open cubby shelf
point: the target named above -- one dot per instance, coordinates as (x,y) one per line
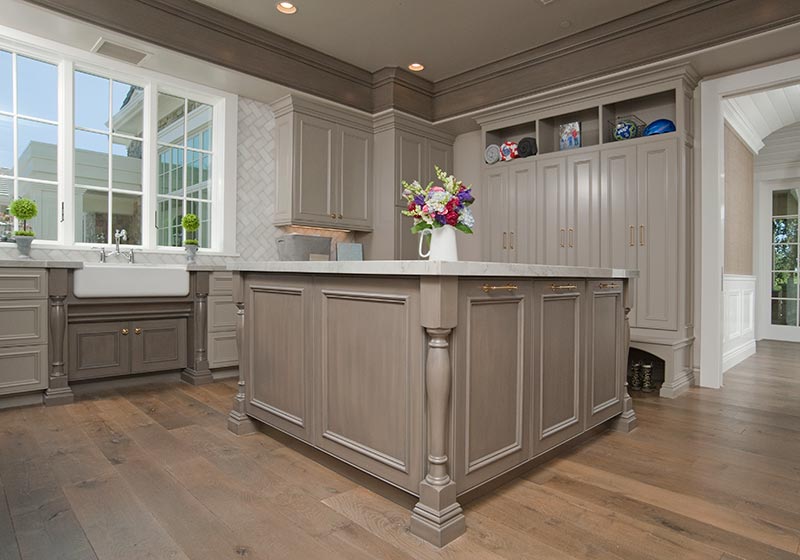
(597,123)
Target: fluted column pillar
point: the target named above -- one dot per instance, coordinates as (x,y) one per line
(58,389)
(238,421)
(627,421)
(198,372)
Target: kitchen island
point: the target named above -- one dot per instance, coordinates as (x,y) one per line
(435,377)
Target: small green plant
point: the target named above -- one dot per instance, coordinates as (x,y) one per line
(23,209)
(190,223)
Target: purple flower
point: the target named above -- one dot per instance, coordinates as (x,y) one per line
(441,219)
(419,200)
(466,197)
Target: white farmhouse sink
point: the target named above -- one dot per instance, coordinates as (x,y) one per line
(130,280)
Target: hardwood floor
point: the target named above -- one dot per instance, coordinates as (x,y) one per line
(152,472)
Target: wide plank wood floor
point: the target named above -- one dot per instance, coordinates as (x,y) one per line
(151,472)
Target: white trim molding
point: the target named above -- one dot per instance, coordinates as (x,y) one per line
(738,329)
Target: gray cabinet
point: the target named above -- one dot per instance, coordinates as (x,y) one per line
(23,330)
(108,349)
(507,201)
(324,166)
(550,223)
(222,348)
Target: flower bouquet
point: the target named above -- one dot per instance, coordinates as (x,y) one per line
(436,206)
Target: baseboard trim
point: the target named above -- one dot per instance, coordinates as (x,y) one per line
(738,355)
(679,386)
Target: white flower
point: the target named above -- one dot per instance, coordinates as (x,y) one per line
(467,218)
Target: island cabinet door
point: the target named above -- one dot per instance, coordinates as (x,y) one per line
(557,361)
(491,380)
(277,352)
(605,351)
(369,375)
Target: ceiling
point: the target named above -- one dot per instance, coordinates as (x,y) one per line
(757,115)
(447,36)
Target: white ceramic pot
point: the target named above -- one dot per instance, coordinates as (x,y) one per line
(24,243)
(443,244)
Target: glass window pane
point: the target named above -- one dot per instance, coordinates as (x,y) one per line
(203,211)
(784,203)
(784,257)
(126,213)
(127,109)
(6,88)
(171,119)
(170,213)
(784,312)
(200,116)
(91,101)
(37,88)
(91,216)
(6,146)
(126,165)
(38,150)
(91,158)
(6,220)
(784,230)
(784,285)
(198,169)
(45,224)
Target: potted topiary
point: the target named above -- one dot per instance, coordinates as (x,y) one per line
(190,223)
(24,209)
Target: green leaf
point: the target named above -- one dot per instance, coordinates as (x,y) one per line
(464,228)
(418,227)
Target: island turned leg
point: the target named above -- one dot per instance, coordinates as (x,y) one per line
(198,372)
(238,421)
(627,421)
(58,389)
(438,517)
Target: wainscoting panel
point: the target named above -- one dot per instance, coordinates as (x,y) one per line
(738,330)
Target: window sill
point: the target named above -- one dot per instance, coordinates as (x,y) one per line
(52,246)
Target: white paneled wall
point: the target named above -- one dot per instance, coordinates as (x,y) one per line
(738,330)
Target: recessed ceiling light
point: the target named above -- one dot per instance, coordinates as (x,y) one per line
(286,7)
(416,67)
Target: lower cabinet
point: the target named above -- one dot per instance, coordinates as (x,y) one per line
(22,369)
(222,349)
(125,347)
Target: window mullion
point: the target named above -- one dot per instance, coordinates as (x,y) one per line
(14,133)
(149,167)
(66,155)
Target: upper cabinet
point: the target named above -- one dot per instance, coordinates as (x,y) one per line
(324,166)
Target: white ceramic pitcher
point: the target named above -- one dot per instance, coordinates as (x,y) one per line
(443,244)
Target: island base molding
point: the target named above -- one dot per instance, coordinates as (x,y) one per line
(677,357)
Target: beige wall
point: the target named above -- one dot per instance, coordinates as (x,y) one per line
(738,205)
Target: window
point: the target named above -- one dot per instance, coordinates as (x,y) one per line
(784,257)
(102,146)
(29,141)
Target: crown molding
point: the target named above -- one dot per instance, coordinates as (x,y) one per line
(742,126)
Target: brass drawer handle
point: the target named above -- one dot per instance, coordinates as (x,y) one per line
(125,332)
(137,331)
(504,240)
(632,239)
(641,235)
(508,287)
(340,216)
(333,216)
(571,231)
(562,236)
(511,242)
(608,286)
(563,287)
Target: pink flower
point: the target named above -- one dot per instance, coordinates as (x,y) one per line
(425,209)
(436,189)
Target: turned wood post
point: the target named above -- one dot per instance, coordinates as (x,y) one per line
(438,517)
(238,421)
(198,372)
(58,389)
(627,421)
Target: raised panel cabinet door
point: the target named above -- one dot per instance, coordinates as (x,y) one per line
(222,350)
(278,350)
(492,378)
(495,215)
(551,226)
(23,283)
(314,173)
(158,345)
(99,349)
(23,369)
(583,209)
(411,164)
(353,191)
(221,284)
(441,155)
(558,359)
(368,345)
(407,243)
(656,304)
(23,322)
(605,351)
(519,204)
(221,314)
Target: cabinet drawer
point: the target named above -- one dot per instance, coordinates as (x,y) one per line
(23,323)
(22,369)
(222,350)
(221,314)
(221,284)
(99,350)
(158,345)
(23,283)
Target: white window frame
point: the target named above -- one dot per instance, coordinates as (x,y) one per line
(223,141)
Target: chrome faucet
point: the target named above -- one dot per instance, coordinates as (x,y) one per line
(103,253)
(120,234)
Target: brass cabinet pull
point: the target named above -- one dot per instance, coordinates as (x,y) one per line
(137,331)
(504,240)
(511,242)
(333,216)
(632,239)
(641,235)
(604,286)
(508,287)
(125,332)
(340,216)
(569,234)
(563,287)
(562,236)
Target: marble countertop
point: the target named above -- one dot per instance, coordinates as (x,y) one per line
(432,268)
(35,263)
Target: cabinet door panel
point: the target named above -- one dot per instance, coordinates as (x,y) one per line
(583,210)
(22,369)
(519,204)
(605,353)
(551,224)
(221,314)
(23,283)
(313,196)
(411,161)
(408,243)
(158,345)
(495,215)
(23,322)
(657,235)
(99,350)
(355,175)
(222,350)
(558,352)
(440,155)
(618,225)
